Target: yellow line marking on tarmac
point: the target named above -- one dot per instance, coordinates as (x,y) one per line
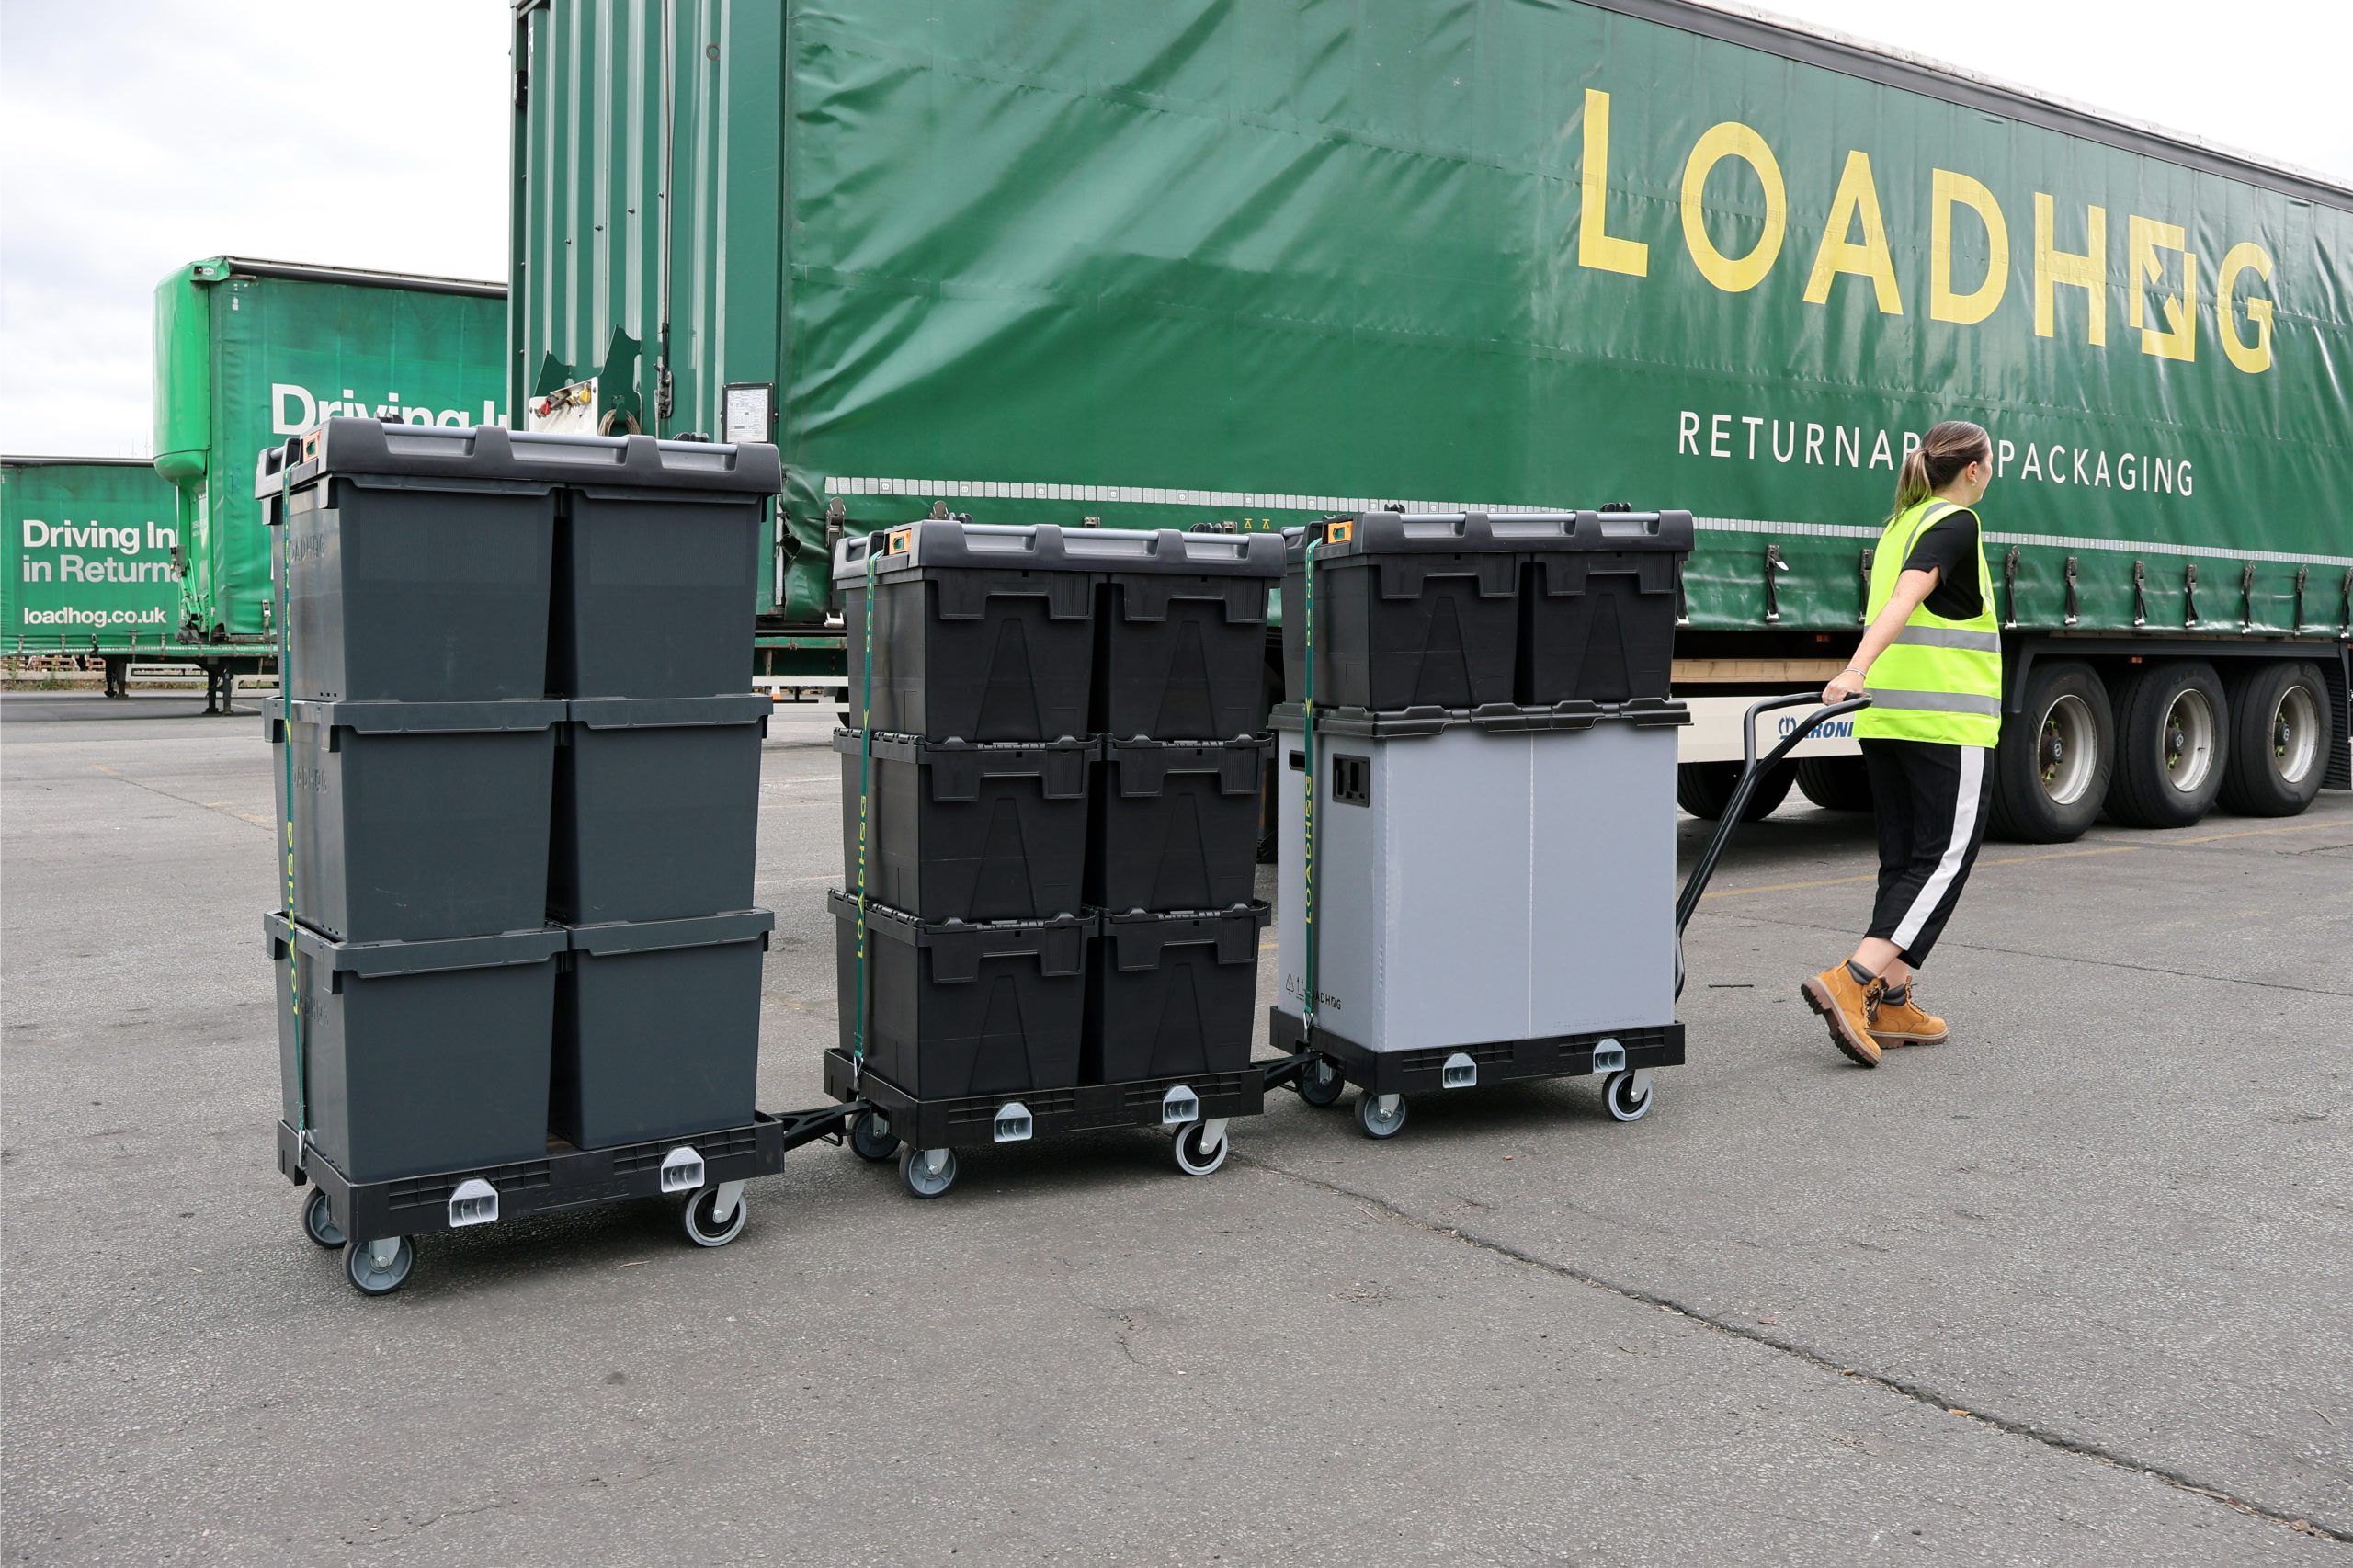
(1873,876)
(2250,833)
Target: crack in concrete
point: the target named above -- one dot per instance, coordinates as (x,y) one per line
(223,807)
(1918,1394)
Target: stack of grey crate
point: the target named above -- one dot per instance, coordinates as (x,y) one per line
(1493,840)
(517,772)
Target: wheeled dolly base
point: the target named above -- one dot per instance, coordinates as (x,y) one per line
(377,1222)
(1383,1079)
(923,1134)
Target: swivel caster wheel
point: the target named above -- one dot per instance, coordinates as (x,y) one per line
(1319,1083)
(318,1220)
(871,1137)
(1628,1094)
(715,1215)
(927,1172)
(1380,1116)
(379,1268)
(1202,1146)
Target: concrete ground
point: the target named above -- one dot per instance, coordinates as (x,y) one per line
(2072,1288)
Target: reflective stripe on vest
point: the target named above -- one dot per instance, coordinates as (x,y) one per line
(1940,681)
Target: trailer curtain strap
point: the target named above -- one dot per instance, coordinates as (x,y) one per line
(1934,702)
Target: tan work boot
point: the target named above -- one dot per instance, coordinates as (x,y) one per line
(1905,1023)
(1846,1005)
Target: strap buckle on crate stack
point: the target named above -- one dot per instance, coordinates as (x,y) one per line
(286,744)
(1338,531)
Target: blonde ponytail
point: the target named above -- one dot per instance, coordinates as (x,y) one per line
(1949,445)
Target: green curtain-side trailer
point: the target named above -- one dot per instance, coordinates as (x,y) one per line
(1163,261)
(249,352)
(87,560)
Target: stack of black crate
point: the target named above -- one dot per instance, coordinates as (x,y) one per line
(1051,806)
(518,775)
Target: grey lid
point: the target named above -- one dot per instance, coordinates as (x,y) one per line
(894,747)
(657,936)
(491,453)
(1495,717)
(382,959)
(668,712)
(1408,533)
(384,718)
(945,542)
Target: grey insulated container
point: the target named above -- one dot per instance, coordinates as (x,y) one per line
(1504,875)
(418,1057)
(657,569)
(657,1030)
(415,563)
(417,820)
(657,808)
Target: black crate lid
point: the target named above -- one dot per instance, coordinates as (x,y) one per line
(491,453)
(659,936)
(386,718)
(1456,533)
(668,712)
(1495,717)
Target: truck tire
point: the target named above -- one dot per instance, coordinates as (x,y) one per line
(1835,783)
(2052,769)
(1704,789)
(2278,738)
(2173,727)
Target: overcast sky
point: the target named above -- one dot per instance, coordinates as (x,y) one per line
(142,134)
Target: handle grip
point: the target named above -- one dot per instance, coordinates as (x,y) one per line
(1752,769)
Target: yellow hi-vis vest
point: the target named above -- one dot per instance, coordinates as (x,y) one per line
(1940,681)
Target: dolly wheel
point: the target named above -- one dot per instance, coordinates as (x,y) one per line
(1380,1116)
(1628,1094)
(1202,1146)
(927,1172)
(1319,1083)
(702,1214)
(318,1220)
(871,1137)
(379,1268)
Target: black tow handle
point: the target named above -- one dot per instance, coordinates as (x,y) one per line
(1752,769)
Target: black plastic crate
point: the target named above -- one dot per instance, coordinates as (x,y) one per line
(657,1027)
(417,820)
(956,1009)
(657,570)
(1181,632)
(981,633)
(1410,611)
(417,1056)
(415,563)
(956,830)
(1598,619)
(1175,825)
(657,808)
(1172,993)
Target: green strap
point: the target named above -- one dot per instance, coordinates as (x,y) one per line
(865,794)
(1307,817)
(286,744)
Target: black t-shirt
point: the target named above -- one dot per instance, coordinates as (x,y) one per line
(1950,547)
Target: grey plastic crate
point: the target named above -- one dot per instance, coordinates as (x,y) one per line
(417,820)
(1495,875)
(418,1057)
(657,1028)
(657,808)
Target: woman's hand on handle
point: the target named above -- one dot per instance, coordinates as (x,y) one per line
(1847,683)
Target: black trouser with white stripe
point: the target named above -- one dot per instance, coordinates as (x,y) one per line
(1930,801)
